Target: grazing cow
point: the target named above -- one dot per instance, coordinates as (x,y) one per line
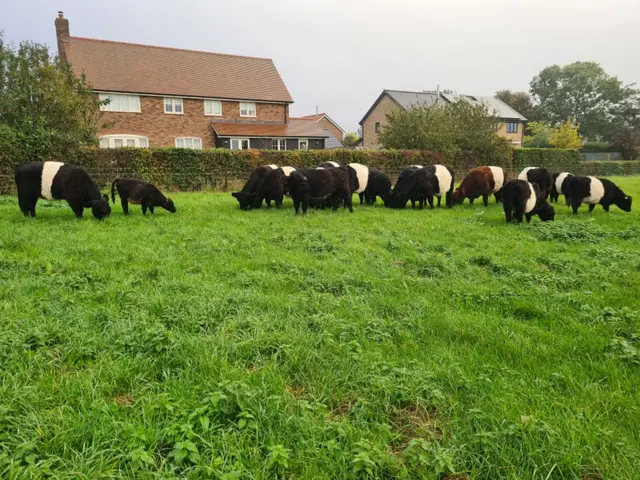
(140,193)
(595,191)
(246,196)
(415,185)
(540,176)
(379,185)
(560,185)
(310,185)
(58,181)
(523,198)
(480,182)
(329,165)
(442,180)
(358,179)
(272,186)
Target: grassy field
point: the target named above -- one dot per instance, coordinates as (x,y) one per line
(215,343)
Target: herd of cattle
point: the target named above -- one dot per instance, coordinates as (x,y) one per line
(332,185)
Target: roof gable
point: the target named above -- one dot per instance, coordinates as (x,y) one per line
(128,67)
(319,116)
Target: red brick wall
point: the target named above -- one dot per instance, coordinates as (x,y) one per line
(162,129)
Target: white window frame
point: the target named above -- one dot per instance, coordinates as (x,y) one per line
(140,141)
(212,103)
(133,102)
(278,144)
(231,140)
(246,109)
(306,140)
(173,101)
(193,142)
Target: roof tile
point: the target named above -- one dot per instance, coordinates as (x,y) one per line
(295,128)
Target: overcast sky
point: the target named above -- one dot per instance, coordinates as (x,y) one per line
(340,54)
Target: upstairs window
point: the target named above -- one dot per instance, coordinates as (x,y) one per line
(117,141)
(120,103)
(173,106)
(278,144)
(377,127)
(189,142)
(247,109)
(212,107)
(512,127)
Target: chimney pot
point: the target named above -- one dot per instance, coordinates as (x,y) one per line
(60,14)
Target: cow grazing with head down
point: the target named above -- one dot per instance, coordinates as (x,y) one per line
(540,176)
(59,181)
(593,191)
(442,178)
(358,179)
(560,185)
(480,182)
(140,193)
(246,196)
(330,185)
(521,198)
(379,185)
(272,186)
(415,185)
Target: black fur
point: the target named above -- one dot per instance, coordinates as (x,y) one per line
(514,199)
(272,186)
(580,188)
(70,183)
(330,185)
(327,165)
(140,193)
(246,196)
(379,185)
(543,178)
(555,194)
(415,185)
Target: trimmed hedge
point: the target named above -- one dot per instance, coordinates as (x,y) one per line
(184,169)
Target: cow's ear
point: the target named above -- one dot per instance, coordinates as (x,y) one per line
(105,198)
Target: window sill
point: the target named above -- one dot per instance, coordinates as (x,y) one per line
(248,116)
(120,111)
(174,113)
(213,115)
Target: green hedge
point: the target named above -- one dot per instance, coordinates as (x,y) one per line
(551,158)
(182,169)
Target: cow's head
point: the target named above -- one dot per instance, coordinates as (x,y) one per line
(245,199)
(168,205)
(100,208)
(458,196)
(546,213)
(624,203)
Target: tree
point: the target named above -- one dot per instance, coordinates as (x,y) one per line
(539,135)
(455,129)
(45,110)
(629,143)
(585,93)
(566,136)
(521,102)
(350,139)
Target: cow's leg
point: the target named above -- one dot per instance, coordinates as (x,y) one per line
(296,204)
(125,205)
(508,214)
(591,207)
(471,200)
(27,204)
(348,200)
(305,203)
(278,201)
(485,199)
(413,203)
(448,198)
(430,200)
(77,208)
(439,199)
(606,206)
(361,195)
(519,211)
(575,205)
(151,209)
(498,196)
(528,217)
(144,208)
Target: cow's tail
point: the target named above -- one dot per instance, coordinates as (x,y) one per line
(113,190)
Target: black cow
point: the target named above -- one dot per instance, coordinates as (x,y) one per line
(540,176)
(379,185)
(401,189)
(559,186)
(58,181)
(329,165)
(140,193)
(595,191)
(272,186)
(523,198)
(319,185)
(415,185)
(246,196)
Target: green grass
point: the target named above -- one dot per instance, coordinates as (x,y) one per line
(216,343)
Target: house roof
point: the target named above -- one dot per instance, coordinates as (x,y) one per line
(295,128)
(407,100)
(319,116)
(133,68)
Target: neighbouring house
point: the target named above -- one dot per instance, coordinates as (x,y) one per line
(335,133)
(511,126)
(171,97)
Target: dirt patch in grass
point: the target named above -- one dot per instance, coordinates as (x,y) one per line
(415,421)
(124,400)
(341,411)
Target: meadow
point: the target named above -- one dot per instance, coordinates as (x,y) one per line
(216,343)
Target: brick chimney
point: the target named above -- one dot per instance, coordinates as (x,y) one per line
(62,35)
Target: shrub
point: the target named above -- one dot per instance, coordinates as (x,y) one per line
(553,158)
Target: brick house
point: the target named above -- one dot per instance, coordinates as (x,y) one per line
(335,133)
(172,97)
(511,125)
